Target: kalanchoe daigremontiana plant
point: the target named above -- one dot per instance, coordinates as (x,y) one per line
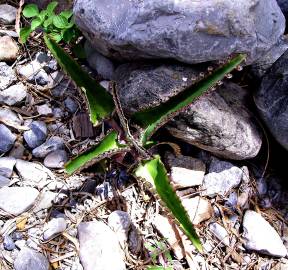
(150,167)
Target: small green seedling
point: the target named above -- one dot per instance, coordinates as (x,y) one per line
(159,251)
(58,26)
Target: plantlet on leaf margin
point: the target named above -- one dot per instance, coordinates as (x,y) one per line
(150,169)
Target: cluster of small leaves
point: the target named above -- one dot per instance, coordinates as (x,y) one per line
(58,26)
(159,252)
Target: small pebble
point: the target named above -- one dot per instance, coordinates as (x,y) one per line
(8,48)
(71,105)
(6,166)
(8,243)
(44,109)
(7,14)
(36,135)
(7,76)
(56,159)
(54,227)
(7,139)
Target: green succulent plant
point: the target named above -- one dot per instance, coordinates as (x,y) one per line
(150,168)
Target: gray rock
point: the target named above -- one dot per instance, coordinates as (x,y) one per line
(7,14)
(99,247)
(221,123)
(260,236)
(9,33)
(7,76)
(222,177)
(4,181)
(30,171)
(119,221)
(45,200)
(6,166)
(16,200)
(36,135)
(220,233)
(44,109)
(17,151)
(8,49)
(271,100)
(166,29)
(101,64)
(265,62)
(29,259)
(198,209)
(218,122)
(34,72)
(105,84)
(7,139)
(56,159)
(71,105)
(52,144)
(58,113)
(8,243)
(54,227)
(13,95)
(186,171)
(7,115)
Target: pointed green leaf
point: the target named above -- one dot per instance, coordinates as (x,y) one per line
(30,10)
(24,33)
(51,7)
(66,13)
(107,147)
(42,14)
(100,102)
(153,118)
(155,172)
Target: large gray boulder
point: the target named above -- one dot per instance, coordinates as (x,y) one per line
(219,122)
(189,31)
(272,100)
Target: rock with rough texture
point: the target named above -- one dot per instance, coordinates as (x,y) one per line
(99,247)
(8,243)
(9,116)
(260,236)
(8,49)
(7,139)
(16,200)
(6,166)
(54,227)
(103,65)
(7,76)
(36,135)
(7,14)
(186,171)
(265,62)
(4,181)
(271,100)
(222,177)
(52,144)
(220,233)
(56,159)
(13,94)
(166,29)
(199,209)
(30,171)
(218,122)
(29,259)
